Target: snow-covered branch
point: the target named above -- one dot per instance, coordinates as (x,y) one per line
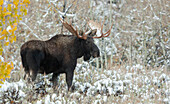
(22,23)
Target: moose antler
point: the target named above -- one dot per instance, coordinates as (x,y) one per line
(99,26)
(84,36)
(70,28)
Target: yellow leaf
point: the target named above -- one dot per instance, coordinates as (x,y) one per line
(2,37)
(11,40)
(7,13)
(15,38)
(15,28)
(16,15)
(12,64)
(4,32)
(8,76)
(25,11)
(15,24)
(9,68)
(16,2)
(9,18)
(3,20)
(15,11)
(1,2)
(1,83)
(1,77)
(4,10)
(21,9)
(1,50)
(10,31)
(26,2)
(6,43)
(9,7)
(26,5)
(20,18)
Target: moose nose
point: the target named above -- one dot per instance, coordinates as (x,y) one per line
(96,54)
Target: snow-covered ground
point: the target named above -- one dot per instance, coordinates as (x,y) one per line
(117,85)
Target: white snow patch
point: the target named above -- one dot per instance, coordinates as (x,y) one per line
(47,99)
(8,28)
(21,93)
(105,98)
(39,102)
(59,102)
(110,90)
(54,96)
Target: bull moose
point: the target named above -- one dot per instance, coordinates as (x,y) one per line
(59,54)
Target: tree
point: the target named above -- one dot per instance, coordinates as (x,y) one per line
(11,12)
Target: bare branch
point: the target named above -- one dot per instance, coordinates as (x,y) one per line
(29,29)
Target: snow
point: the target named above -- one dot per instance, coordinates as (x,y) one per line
(108,83)
(39,102)
(156,17)
(97,102)
(21,93)
(47,99)
(110,89)
(8,28)
(54,96)
(166,100)
(105,98)
(6,86)
(58,102)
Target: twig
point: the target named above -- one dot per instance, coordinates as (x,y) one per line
(63,16)
(64,13)
(29,29)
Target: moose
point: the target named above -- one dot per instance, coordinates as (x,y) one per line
(59,54)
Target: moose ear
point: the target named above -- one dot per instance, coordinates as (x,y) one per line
(93,32)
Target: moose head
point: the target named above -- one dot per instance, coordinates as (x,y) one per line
(90,48)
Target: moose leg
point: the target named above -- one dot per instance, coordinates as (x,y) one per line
(55,79)
(26,76)
(69,78)
(33,73)
(32,64)
(26,69)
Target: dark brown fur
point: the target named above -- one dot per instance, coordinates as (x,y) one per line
(57,55)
